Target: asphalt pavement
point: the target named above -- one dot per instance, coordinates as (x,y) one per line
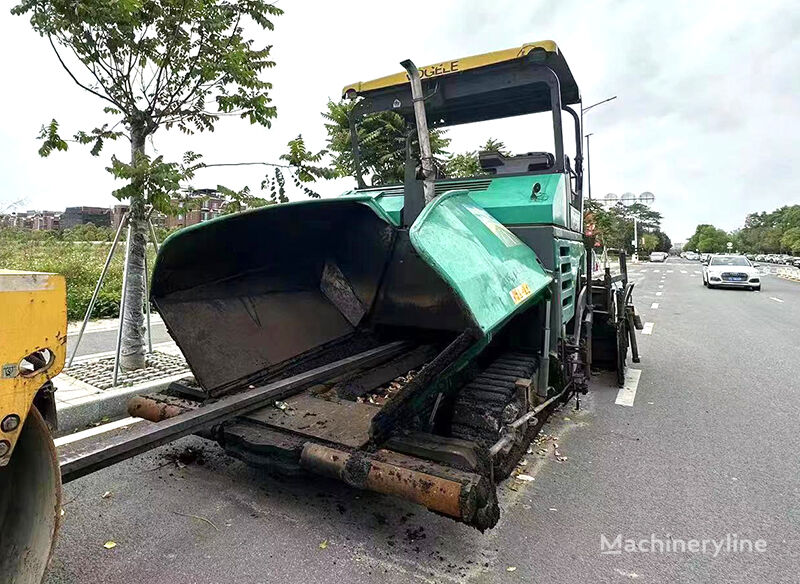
(104,339)
(708,450)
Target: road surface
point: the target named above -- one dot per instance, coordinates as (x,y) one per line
(708,450)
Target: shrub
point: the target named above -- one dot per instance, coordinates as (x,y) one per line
(81,264)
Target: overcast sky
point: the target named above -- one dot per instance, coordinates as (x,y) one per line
(707,114)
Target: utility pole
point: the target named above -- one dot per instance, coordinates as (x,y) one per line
(588,162)
(635,240)
(588,166)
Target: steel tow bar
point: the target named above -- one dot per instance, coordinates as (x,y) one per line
(141,439)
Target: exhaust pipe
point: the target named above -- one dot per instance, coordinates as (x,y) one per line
(426,154)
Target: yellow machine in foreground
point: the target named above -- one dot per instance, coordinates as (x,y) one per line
(33,344)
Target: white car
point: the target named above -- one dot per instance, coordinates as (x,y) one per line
(658,256)
(734,271)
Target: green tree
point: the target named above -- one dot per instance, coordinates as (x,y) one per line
(664,242)
(791,240)
(649,242)
(155,64)
(382,139)
(764,232)
(463,165)
(708,239)
(613,227)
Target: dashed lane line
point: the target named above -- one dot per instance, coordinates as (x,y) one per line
(654,305)
(776,299)
(648,328)
(627,393)
(684,272)
(659,293)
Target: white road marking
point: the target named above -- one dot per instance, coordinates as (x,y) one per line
(776,299)
(627,393)
(656,271)
(69,439)
(659,293)
(643,271)
(684,272)
(661,285)
(654,305)
(648,328)
(670,271)
(696,272)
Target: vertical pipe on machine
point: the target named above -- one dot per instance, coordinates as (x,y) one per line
(543,375)
(426,154)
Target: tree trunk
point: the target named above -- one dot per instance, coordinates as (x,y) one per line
(132,352)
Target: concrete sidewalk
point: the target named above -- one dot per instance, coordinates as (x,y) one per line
(84,395)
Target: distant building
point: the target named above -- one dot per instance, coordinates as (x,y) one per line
(45,220)
(204,204)
(74,216)
(19,219)
(117,213)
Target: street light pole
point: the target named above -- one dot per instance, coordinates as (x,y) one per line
(588,167)
(588,160)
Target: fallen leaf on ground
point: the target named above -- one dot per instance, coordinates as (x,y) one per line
(106,495)
(511,569)
(324,544)
(110,544)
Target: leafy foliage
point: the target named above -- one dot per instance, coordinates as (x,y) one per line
(70,253)
(613,227)
(467,164)
(157,63)
(775,232)
(463,165)
(382,139)
(708,239)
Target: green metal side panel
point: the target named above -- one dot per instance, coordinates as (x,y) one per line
(509,199)
(570,257)
(489,268)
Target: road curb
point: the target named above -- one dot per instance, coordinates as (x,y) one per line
(111,403)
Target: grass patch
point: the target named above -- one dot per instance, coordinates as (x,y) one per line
(79,261)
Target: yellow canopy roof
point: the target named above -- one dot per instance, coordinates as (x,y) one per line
(452,66)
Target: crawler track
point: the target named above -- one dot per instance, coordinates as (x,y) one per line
(490,401)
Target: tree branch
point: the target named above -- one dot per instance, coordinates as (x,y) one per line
(248,164)
(75,79)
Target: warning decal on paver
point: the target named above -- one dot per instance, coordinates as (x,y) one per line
(520,293)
